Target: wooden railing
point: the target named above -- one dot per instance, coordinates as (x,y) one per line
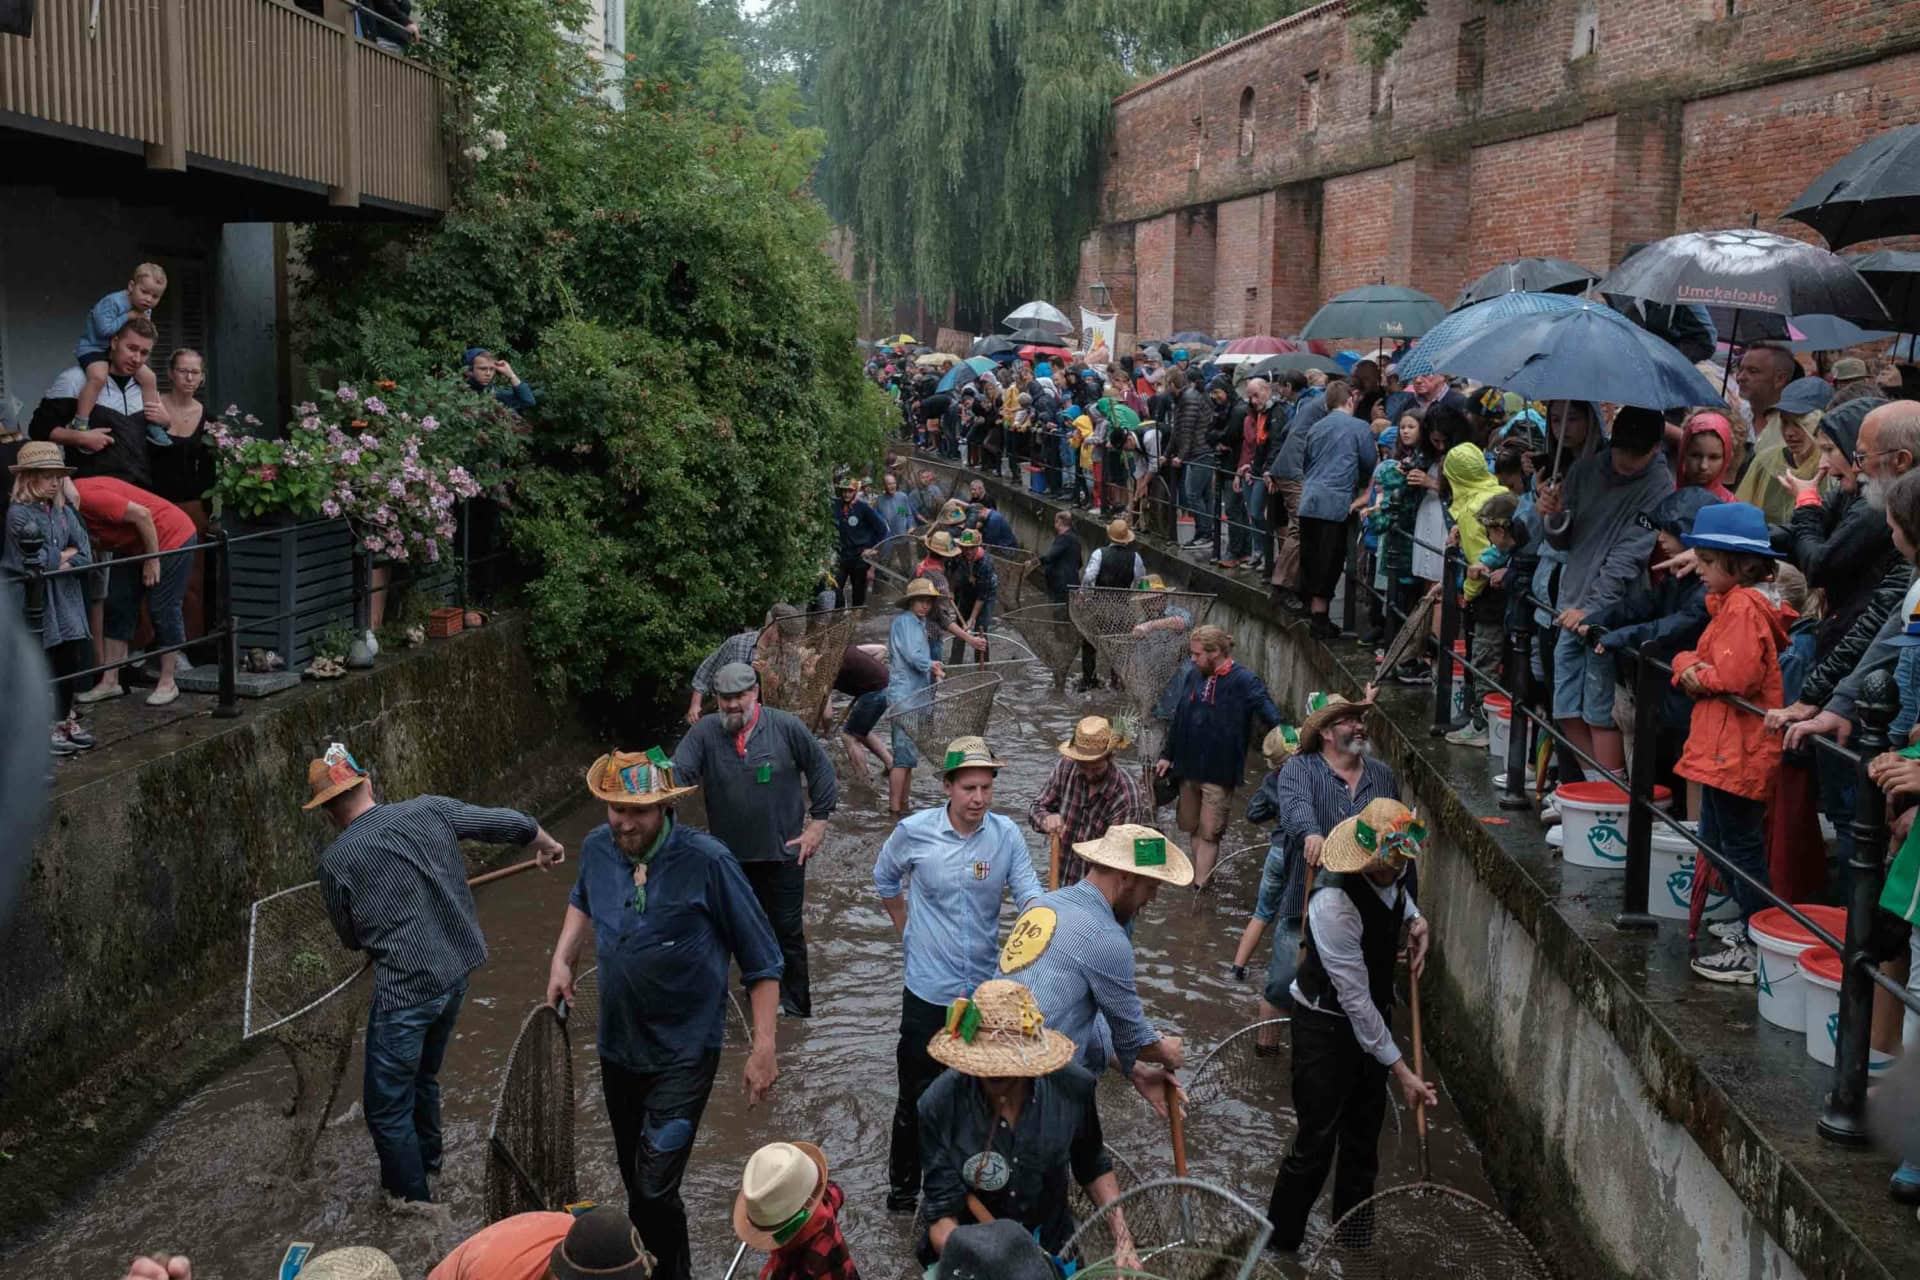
(253,85)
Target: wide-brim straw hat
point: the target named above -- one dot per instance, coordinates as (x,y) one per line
(1009,1037)
(1093,739)
(1327,709)
(335,773)
(1143,851)
(636,779)
(355,1262)
(969,753)
(1119,531)
(42,457)
(770,1188)
(919,589)
(954,511)
(942,544)
(1280,744)
(1384,830)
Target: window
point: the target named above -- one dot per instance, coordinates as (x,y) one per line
(1586,34)
(1246,122)
(1470,59)
(1197,140)
(1310,102)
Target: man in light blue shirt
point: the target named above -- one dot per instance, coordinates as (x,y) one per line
(1338,467)
(961,859)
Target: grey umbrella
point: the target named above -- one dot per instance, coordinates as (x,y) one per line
(1038,315)
(1747,270)
(1872,192)
(1528,275)
(1376,311)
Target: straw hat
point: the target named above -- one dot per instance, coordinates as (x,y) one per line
(1323,711)
(999,1033)
(1152,582)
(1281,742)
(1093,739)
(941,543)
(635,779)
(1120,531)
(969,753)
(1128,846)
(42,456)
(783,1183)
(333,773)
(355,1262)
(953,512)
(1385,830)
(967,539)
(919,589)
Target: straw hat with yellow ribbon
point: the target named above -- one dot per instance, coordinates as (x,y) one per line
(782,1185)
(1384,831)
(334,773)
(1323,711)
(941,543)
(999,1033)
(1094,738)
(636,779)
(1128,846)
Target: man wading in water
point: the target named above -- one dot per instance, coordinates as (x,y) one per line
(395,884)
(668,908)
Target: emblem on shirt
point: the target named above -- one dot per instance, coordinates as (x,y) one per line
(1028,941)
(987,1171)
(980,870)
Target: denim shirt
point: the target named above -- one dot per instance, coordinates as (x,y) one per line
(953,904)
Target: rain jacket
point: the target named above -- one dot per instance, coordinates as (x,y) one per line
(1465,467)
(1728,748)
(1715,425)
(1761,485)
(1192,423)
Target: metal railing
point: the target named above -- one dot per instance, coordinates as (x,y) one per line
(225,626)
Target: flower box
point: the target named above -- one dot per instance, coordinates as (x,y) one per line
(442,623)
(291,585)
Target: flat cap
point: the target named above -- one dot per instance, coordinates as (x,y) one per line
(735,677)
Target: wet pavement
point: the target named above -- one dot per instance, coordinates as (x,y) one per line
(202,1181)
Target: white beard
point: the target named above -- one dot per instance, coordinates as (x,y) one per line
(1870,489)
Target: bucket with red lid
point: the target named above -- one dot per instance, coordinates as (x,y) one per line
(1820,970)
(1593,818)
(1779,942)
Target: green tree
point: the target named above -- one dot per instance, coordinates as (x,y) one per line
(660,267)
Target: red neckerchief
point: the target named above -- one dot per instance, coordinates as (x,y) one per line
(1208,689)
(746,731)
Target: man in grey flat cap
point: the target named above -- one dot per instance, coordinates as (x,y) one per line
(769,789)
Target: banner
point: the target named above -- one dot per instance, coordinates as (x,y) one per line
(1099,332)
(954,342)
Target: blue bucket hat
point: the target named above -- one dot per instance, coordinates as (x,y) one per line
(1804,395)
(1731,526)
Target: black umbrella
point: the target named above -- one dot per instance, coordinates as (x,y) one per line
(1044,337)
(1528,275)
(1375,311)
(1872,192)
(1895,276)
(1747,270)
(1294,362)
(993,345)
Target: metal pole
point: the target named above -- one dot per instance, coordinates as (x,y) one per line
(1844,1120)
(1519,730)
(228,637)
(362,586)
(1450,571)
(1349,596)
(32,546)
(1213,498)
(1647,690)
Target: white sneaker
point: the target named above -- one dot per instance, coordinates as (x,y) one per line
(1728,931)
(1736,964)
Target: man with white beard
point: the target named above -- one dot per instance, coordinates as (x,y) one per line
(769,790)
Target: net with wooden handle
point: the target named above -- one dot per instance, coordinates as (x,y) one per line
(956,707)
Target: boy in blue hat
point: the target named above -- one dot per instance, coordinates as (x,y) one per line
(1729,751)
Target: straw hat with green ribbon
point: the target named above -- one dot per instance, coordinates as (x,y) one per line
(1128,846)
(999,1033)
(969,753)
(1281,742)
(1323,711)
(1094,738)
(635,778)
(1384,831)
(941,543)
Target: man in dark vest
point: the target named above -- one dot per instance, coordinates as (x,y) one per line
(1343,1049)
(1118,566)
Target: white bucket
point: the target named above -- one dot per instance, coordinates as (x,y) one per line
(1778,940)
(1594,816)
(1670,880)
(1499,734)
(1820,967)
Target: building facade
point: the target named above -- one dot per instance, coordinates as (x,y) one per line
(1244,188)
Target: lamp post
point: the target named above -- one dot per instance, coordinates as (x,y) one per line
(1101,294)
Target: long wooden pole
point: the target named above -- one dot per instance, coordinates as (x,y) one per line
(1177,1125)
(1420,1070)
(489,877)
(1053,861)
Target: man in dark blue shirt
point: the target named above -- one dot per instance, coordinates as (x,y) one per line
(668,908)
(861,530)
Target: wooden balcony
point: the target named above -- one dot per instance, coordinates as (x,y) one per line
(254,90)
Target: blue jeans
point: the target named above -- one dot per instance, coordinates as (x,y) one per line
(1733,825)
(1196,495)
(164,599)
(1582,682)
(401,1088)
(1281,966)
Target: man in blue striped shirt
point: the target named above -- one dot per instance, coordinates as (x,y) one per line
(395,885)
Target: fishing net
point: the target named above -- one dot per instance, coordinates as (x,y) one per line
(1175,1229)
(1424,1231)
(1112,611)
(1014,566)
(530,1139)
(1252,1065)
(956,707)
(309,995)
(1050,633)
(1410,641)
(1145,664)
(799,659)
(1081,1205)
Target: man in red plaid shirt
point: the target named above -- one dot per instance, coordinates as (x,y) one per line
(790,1210)
(1085,795)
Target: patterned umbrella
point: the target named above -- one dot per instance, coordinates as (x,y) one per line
(1747,270)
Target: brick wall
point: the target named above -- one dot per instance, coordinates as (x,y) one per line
(1243,276)
(1153,260)
(1193,261)
(1356,231)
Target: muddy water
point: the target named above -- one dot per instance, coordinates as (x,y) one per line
(199,1183)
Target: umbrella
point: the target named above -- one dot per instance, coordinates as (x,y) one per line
(1191,338)
(1471,321)
(1375,311)
(1253,350)
(1034,334)
(900,340)
(933,358)
(994,345)
(1872,192)
(1746,270)
(1293,362)
(1590,352)
(1528,275)
(966,371)
(1895,276)
(1029,352)
(1796,333)
(1038,315)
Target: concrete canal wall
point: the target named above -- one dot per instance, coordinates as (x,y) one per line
(121,973)
(1609,1143)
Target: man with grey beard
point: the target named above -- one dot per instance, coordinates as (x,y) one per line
(1888,448)
(769,790)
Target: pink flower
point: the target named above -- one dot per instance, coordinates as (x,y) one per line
(346,394)
(398,488)
(306,407)
(367,440)
(376,405)
(309,423)
(268,472)
(429,423)
(329,508)
(351,457)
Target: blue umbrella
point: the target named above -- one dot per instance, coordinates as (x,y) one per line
(966,371)
(1590,352)
(1471,321)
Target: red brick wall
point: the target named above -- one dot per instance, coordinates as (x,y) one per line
(1520,205)
(1193,259)
(1356,231)
(1153,259)
(1243,276)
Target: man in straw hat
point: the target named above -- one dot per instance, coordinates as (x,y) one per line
(912,669)
(1216,703)
(1009,1120)
(943,566)
(395,886)
(961,859)
(1117,564)
(770,789)
(668,908)
(788,1208)
(1085,794)
(861,530)
(1343,1050)
(600,1244)
(1071,948)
